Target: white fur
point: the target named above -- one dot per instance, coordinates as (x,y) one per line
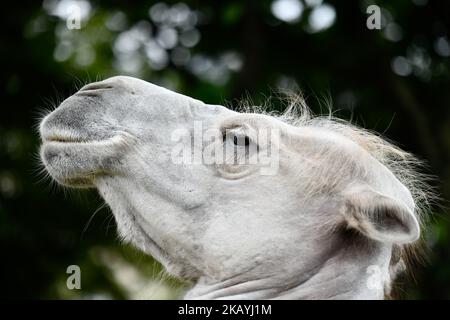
(341,199)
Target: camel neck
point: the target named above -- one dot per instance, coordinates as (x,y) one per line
(341,281)
(335,279)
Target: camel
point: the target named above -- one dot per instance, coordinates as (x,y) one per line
(333,215)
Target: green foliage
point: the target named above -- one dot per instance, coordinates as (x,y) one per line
(393,80)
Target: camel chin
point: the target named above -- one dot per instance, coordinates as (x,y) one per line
(247,205)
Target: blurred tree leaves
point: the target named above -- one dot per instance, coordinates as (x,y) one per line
(218,52)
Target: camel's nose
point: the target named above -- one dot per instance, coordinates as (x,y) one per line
(81,117)
(121,85)
(97,86)
(108,85)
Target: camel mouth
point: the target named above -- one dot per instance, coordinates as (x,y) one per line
(76,162)
(50,133)
(62,139)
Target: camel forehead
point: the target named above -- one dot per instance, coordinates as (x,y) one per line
(320,140)
(345,150)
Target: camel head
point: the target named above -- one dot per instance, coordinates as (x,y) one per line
(246,205)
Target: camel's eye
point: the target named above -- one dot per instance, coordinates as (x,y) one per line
(241,141)
(237,137)
(239,155)
(238,147)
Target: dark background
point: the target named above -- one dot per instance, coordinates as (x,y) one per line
(395,80)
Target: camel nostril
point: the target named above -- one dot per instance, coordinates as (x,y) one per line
(96,86)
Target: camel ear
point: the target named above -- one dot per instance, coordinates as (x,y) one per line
(380,217)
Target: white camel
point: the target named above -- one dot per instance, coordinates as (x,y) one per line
(334,221)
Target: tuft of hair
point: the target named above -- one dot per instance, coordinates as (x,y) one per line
(405,166)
